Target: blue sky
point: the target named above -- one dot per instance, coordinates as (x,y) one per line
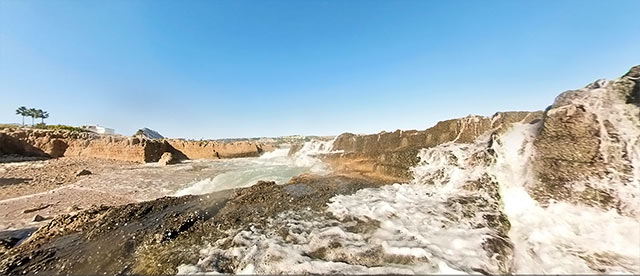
(215,69)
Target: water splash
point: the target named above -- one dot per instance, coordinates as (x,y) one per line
(618,126)
(443,221)
(467,209)
(271,166)
(307,155)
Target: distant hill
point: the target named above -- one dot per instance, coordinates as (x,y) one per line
(148,133)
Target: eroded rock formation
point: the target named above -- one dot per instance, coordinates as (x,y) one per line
(588,142)
(47,143)
(217,150)
(389,155)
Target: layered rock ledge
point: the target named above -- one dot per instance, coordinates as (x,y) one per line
(389,155)
(58,143)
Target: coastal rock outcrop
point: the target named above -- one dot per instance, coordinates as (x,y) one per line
(58,143)
(514,193)
(588,148)
(218,150)
(155,237)
(389,155)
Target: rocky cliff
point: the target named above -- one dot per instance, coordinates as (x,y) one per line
(389,155)
(588,142)
(47,143)
(217,150)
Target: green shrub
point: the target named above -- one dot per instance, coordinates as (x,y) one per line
(63,127)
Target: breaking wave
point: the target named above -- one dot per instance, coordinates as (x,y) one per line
(467,210)
(275,166)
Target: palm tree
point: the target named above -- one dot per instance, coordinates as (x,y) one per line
(22,111)
(43,115)
(33,113)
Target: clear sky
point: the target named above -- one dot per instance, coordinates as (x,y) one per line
(215,69)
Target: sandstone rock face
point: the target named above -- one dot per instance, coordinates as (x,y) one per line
(33,143)
(118,148)
(168,159)
(588,143)
(47,143)
(218,150)
(389,155)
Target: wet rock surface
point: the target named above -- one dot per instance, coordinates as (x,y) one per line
(11,238)
(155,237)
(588,139)
(389,155)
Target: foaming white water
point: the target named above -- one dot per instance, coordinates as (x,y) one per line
(619,135)
(441,223)
(414,228)
(243,176)
(307,243)
(271,166)
(306,156)
(425,217)
(563,237)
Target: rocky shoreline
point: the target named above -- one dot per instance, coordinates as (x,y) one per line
(466,177)
(155,237)
(59,143)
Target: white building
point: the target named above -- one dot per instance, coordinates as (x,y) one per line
(100,129)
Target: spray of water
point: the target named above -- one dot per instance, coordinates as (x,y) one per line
(466,210)
(275,166)
(438,224)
